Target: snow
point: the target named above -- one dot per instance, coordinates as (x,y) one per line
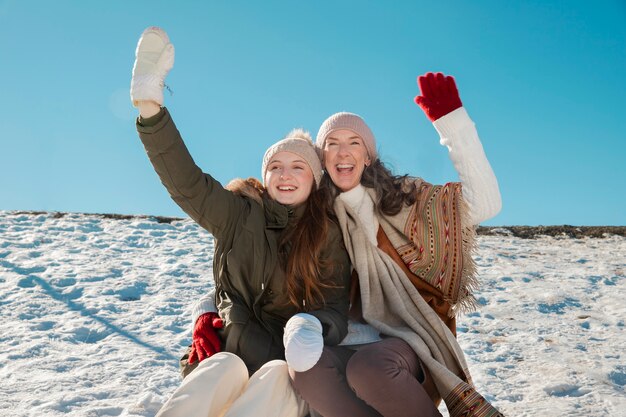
(95,314)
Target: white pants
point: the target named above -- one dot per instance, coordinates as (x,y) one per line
(220,386)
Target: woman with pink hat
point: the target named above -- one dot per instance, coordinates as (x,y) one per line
(410,243)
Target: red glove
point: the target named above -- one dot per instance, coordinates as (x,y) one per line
(205,342)
(439,95)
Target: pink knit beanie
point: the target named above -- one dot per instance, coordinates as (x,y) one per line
(349,121)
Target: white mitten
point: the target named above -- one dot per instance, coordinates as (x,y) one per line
(154,58)
(303,341)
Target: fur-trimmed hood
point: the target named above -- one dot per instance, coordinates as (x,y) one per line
(250,187)
(277,215)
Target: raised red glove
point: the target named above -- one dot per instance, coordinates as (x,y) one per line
(439,95)
(206,341)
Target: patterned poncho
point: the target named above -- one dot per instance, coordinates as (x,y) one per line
(435,241)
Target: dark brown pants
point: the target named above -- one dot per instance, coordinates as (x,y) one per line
(380,379)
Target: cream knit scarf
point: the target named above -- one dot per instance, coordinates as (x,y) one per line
(393,305)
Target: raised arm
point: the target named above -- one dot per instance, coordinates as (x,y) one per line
(440,101)
(201,196)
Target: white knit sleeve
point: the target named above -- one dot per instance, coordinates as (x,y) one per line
(205,304)
(480,187)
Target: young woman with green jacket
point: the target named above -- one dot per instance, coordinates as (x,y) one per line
(281,272)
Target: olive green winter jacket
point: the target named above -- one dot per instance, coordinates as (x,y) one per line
(250,283)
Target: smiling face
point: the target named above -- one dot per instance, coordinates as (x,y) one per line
(288,179)
(345,158)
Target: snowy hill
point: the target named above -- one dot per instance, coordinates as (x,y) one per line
(95,313)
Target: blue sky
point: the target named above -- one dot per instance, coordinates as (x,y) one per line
(544,81)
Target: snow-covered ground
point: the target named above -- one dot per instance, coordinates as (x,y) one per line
(95,313)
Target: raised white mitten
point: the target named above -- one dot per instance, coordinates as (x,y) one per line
(303,341)
(154,58)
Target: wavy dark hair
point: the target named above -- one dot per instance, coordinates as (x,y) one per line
(392,191)
(301,247)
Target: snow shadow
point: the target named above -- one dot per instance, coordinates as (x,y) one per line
(74,306)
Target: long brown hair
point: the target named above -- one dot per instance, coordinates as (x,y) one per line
(301,249)
(301,244)
(392,191)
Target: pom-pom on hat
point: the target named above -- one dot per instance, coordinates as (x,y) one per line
(349,121)
(299,142)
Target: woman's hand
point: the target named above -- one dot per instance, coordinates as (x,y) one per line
(439,95)
(303,341)
(154,58)
(206,342)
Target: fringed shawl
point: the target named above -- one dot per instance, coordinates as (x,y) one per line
(432,237)
(435,241)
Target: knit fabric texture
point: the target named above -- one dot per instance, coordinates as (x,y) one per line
(348,121)
(300,143)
